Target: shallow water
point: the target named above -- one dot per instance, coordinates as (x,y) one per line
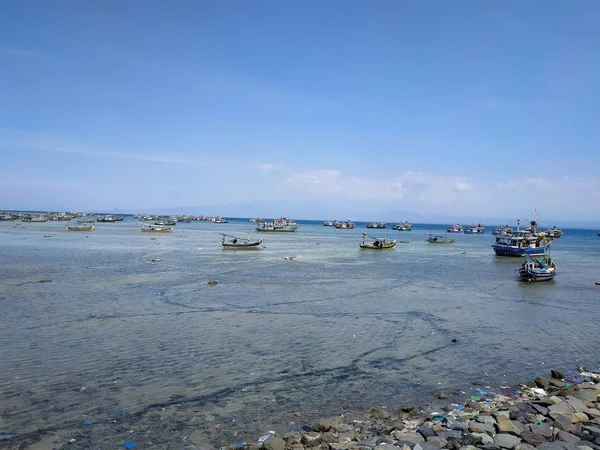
(335,328)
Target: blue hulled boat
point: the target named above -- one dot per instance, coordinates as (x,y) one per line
(522,242)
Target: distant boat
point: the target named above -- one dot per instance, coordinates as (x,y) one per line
(156,229)
(377,243)
(256,220)
(475,229)
(282,225)
(85,221)
(377,225)
(87,227)
(404,226)
(7,217)
(456,228)
(537,269)
(219,220)
(235,243)
(434,239)
(554,232)
(504,230)
(109,219)
(345,225)
(329,223)
(166,223)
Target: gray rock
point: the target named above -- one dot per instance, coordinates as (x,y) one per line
(541,409)
(297,446)
(506,425)
(324,424)
(455,434)
(414,438)
(557,374)
(345,437)
(576,404)
(417,447)
(504,440)
(555,445)
(542,382)
(477,427)
(563,422)
(425,431)
(468,447)
(481,418)
(435,440)
(406,445)
(587,395)
(568,437)
(341,445)
(490,446)
(542,429)
(522,446)
(454,425)
(274,443)
(431,446)
(592,429)
(485,438)
(532,438)
(584,447)
(561,408)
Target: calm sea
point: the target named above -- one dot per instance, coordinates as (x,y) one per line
(333,329)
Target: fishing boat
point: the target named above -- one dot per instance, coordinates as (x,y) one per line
(475,229)
(347,225)
(436,239)
(537,268)
(85,227)
(377,225)
(554,232)
(34,219)
(155,229)
(109,219)
(255,220)
(404,226)
(522,242)
(329,223)
(84,221)
(504,230)
(377,243)
(280,225)
(229,242)
(166,223)
(456,228)
(219,220)
(6,217)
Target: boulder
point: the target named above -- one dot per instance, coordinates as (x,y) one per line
(540,409)
(311,439)
(568,437)
(484,437)
(341,445)
(576,404)
(532,438)
(414,438)
(522,446)
(434,440)
(542,382)
(324,424)
(557,374)
(297,446)
(587,395)
(504,440)
(542,429)
(274,443)
(563,422)
(481,418)
(595,430)
(506,425)
(425,431)
(561,408)
(478,427)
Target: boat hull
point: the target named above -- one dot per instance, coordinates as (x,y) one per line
(290,229)
(504,250)
(380,246)
(90,228)
(157,230)
(256,245)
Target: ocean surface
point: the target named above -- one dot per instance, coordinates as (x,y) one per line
(129,325)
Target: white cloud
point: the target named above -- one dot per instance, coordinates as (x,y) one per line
(62,144)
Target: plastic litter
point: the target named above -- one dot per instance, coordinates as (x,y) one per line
(230,420)
(6,437)
(88,422)
(307,428)
(460,407)
(476,398)
(263,438)
(238,444)
(129,444)
(439,418)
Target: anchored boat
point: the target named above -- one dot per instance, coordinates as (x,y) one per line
(156,229)
(436,239)
(475,229)
(404,226)
(281,225)
(522,242)
(377,243)
(537,269)
(377,225)
(229,242)
(456,228)
(85,227)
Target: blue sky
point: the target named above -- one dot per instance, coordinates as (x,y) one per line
(467,108)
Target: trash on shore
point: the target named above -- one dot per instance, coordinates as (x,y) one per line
(213,282)
(88,422)
(293,257)
(129,444)
(6,437)
(45,280)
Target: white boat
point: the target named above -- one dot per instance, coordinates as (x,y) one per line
(329,223)
(282,225)
(156,229)
(456,228)
(344,225)
(377,225)
(475,229)
(85,227)
(554,232)
(404,226)
(219,220)
(537,268)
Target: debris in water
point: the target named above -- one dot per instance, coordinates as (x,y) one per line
(47,235)
(212,282)
(129,444)
(45,280)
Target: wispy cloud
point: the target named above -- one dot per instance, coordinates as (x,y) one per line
(11,140)
(268,167)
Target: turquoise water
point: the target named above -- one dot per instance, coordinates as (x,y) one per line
(333,329)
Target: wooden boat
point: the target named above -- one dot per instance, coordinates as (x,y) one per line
(347,225)
(156,229)
(34,219)
(85,221)
(456,228)
(282,225)
(475,229)
(377,243)
(88,227)
(377,225)
(219,220)
(165,223)
(504,230)
(329,223)
(7,217)
(109,219)
(537,269)
(433,239)
(404,226)
(236,243)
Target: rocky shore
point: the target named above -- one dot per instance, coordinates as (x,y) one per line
(548,413)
